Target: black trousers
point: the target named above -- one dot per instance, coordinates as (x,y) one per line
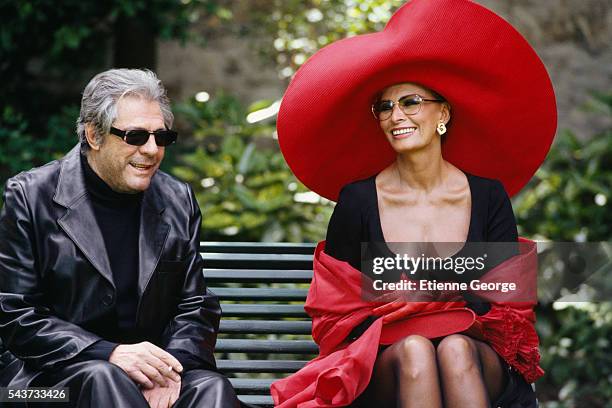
(98,383)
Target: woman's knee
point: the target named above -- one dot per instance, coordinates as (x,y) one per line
(457,354)
(414,357)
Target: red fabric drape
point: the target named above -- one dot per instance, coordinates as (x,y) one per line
(343,369)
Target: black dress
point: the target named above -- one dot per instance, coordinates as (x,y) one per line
(356,220)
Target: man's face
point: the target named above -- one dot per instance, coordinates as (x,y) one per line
(126,168)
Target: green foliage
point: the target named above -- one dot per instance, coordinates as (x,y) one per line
(67,37)
(299,29)
(21,150)
(244,188)
(568,200)
(576,356)
(569,197)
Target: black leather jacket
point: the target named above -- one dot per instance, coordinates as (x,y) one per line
(56,286)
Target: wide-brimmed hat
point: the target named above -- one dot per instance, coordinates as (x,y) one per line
(502,102)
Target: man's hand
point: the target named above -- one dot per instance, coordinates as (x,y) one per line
(147,364)
(163,397)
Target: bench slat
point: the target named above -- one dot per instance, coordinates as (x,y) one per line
(216,275)
(260,366)
(267,261)
(265,326)
(263,257)
(266,346)
(268,310)
(260,263)
(252,385)
(257,247)
(242,294)
(257,400)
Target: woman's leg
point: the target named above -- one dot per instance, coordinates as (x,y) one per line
(405,375)
(471,372)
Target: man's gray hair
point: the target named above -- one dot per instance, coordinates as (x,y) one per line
(100,97)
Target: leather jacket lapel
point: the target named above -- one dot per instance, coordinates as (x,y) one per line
(79,221)
(153,233)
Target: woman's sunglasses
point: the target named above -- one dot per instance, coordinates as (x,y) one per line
(139,137)
(409,104)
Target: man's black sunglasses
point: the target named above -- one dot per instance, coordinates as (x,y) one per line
(139,137)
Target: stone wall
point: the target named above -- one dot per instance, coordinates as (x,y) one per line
(572,37)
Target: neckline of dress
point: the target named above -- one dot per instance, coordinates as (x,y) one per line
(385,247)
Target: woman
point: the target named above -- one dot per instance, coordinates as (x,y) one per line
(423,198)
(413,174)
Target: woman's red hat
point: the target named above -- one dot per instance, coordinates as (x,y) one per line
(503,110)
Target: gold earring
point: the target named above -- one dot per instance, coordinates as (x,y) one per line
(441,129)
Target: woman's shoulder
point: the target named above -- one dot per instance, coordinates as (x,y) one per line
(360,190)
(486,188)
(493,205)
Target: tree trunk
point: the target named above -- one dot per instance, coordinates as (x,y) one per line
(135,44)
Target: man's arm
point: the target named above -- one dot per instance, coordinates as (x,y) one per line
(100,350)
(27,327)
(191,335)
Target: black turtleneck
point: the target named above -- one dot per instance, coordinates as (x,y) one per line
(118,216)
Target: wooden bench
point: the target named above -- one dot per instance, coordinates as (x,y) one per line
(264,332)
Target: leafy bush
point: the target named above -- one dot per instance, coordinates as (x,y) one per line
(243,185)
(576,355)
(569,197)
(568,200)
(21,150)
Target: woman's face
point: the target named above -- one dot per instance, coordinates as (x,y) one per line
(412,132)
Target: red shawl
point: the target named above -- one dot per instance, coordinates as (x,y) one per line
(343,369)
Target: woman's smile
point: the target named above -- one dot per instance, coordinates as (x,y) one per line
(402,132)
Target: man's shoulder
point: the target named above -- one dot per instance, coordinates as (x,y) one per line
(36,178)
(41,183)
(169,185)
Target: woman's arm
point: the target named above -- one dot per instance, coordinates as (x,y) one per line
(501,224)
(343,240)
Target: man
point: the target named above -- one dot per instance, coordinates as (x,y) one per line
(101,286)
